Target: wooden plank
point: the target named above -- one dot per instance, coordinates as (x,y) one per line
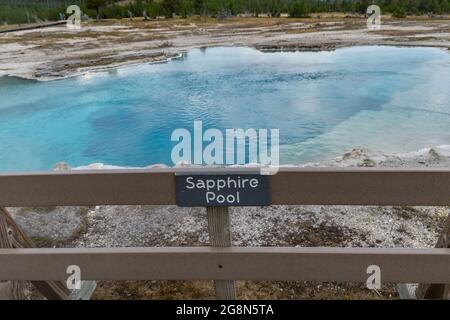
(307,186)
(220,236)
(87,188)
(235,263)
(13,237)
(16,288)
(362,187)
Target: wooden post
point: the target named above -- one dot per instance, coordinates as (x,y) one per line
(407,291)
(220,236)
(17,288)
(437,291)
(12,237)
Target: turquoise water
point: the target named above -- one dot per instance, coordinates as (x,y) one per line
(382,98)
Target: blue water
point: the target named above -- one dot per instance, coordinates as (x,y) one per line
(382,98)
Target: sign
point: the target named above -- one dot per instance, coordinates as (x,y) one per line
(234,190)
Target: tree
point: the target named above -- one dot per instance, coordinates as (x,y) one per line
(199,6)
(96,5)
(274,8)
(154,9)
(399,12)
(298,9)
(170,7)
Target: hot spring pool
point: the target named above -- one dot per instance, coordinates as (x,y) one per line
(324,103)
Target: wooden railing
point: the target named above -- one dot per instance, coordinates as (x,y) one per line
(221,262)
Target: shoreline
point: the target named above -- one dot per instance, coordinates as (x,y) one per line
(107,68)
(432,157)
(56,53)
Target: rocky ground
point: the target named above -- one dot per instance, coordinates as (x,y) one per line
(336,226)
(53,52)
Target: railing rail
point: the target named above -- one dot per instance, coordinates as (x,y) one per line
(291,186)
(204,263)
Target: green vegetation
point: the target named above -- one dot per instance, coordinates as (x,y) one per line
(24,11)
(96,5)
(399,12)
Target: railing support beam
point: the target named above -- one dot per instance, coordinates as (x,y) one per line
(220,236)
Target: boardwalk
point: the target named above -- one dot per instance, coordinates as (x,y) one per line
(31,26)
